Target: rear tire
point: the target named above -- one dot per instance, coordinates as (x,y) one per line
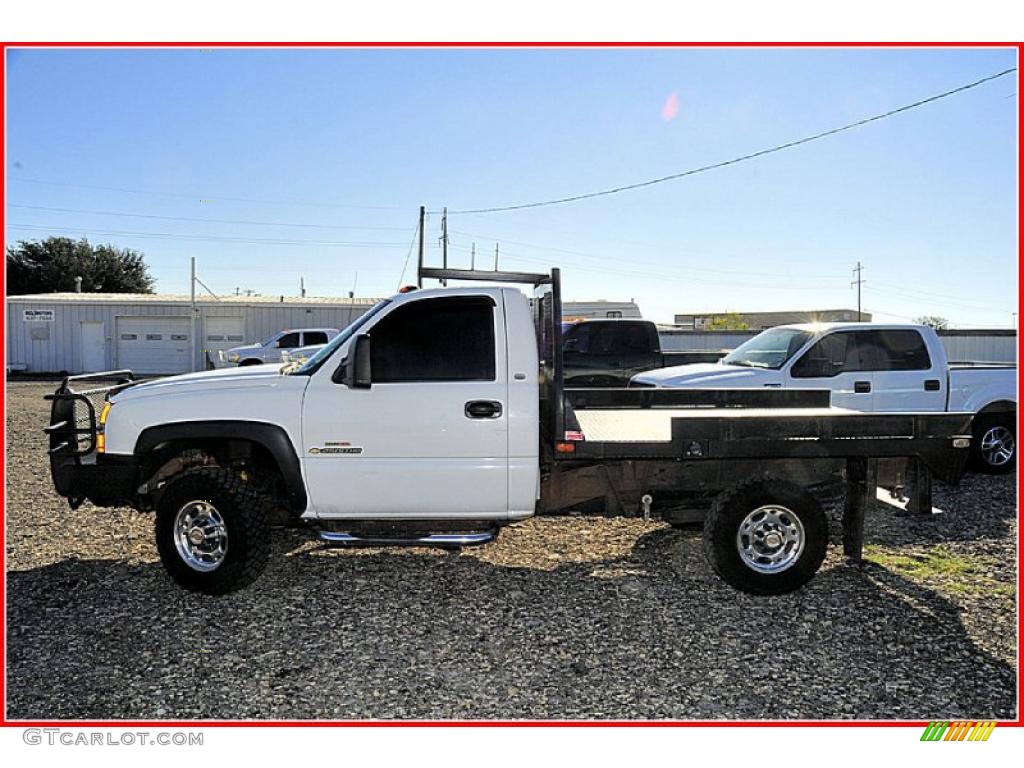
(994,444)
(766,537)
(211,531)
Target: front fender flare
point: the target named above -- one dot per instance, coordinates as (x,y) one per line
(271,436)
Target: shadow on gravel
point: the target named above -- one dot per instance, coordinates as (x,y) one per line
(414,634)
(980,507)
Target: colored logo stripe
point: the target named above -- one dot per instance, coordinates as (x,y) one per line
(959,730)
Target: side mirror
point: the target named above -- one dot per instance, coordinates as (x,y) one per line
(354,371)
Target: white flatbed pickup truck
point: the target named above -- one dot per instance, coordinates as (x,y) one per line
(872,367)
(440,416)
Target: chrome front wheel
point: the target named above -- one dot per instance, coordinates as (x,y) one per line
(200,536)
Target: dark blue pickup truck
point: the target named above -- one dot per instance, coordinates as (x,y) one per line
(607,353)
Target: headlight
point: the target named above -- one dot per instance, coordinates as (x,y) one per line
(101,438)
(234,357)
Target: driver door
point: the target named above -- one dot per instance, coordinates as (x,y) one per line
(837,362)
(429,437)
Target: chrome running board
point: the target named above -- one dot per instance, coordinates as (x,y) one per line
(467,539)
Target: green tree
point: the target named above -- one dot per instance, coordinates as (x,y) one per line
(933,321)
(730,321)
(51,265)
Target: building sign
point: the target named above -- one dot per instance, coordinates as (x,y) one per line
(39,316)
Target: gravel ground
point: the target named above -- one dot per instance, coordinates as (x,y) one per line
(562,618)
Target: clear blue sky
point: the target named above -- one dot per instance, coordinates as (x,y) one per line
(927,200)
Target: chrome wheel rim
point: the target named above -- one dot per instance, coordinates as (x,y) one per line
(997,446)
(770,539)
(200,536)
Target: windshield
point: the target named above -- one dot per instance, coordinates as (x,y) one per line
(318,359)
(770,349)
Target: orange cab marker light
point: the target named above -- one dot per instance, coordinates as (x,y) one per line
(407,289)
(101,443)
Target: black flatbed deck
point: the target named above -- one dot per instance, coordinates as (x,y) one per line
(702,426)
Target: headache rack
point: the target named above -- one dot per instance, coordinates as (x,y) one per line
(546,303)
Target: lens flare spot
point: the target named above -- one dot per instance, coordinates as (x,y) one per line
(670,108)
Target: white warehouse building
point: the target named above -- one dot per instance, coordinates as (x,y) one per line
(152,333)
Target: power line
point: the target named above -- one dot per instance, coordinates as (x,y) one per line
(660,275)
(210,238)
(889,314)
(412,244)
(202,220)
(742,158)
(197,196)
(944,303)
(619,259)
(945,297)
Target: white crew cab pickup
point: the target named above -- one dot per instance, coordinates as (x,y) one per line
(441,415)
(272,350)
(870,367)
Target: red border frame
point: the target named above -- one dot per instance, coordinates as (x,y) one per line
(4,722)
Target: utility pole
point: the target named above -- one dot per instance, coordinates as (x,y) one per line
(302,286)
(858,282)
(192,314)
(472,257)
(419,271)
(495,257)
(444,241)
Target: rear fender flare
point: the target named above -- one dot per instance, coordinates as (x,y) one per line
(998,406)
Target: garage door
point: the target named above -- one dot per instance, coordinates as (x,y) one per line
(154,344)
(222,333)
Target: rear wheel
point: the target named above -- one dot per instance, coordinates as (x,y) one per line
(211,531)
(994,444)
(766,537)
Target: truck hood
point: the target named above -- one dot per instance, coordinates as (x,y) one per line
(220,379)
(709,376)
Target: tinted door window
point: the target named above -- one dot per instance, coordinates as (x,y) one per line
(577,338)
(834,354)
(435,340)
(895,350)
(315,337)
(609,339)
(613,339)
(288,341)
